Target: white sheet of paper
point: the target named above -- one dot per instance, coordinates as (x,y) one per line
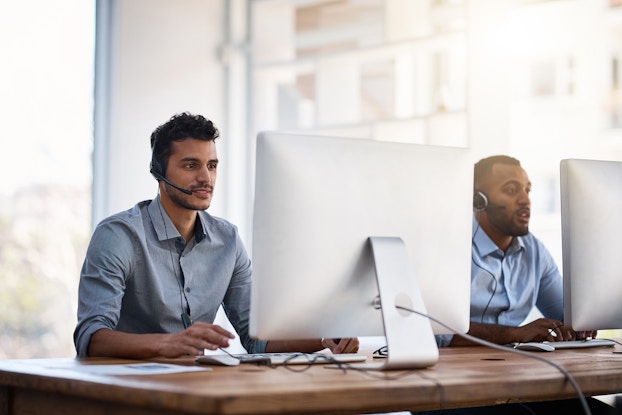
(149,368)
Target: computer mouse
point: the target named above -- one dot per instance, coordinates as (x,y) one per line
(218,359)
(535,347)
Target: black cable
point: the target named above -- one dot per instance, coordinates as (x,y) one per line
(494,289)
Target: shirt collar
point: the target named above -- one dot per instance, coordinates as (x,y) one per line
(165,228)
(200,228)
(485,245)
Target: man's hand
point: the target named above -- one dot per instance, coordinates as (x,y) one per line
(582,335)
(338,346)
(542,329)
(545,329)
(537,331)
(193,340)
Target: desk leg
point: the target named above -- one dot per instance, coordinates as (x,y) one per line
(4,399)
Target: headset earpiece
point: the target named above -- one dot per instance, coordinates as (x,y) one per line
(157,171)
(480,201)
(155,168)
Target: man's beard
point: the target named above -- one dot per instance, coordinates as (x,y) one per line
(507,226)
(179,199)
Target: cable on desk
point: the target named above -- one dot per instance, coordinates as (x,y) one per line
(482,342)
(313,360)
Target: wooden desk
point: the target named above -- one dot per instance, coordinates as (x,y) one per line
(462,377)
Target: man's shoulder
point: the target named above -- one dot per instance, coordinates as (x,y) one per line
(534,247)
(215,220)
(217,224)
(130,216)
(531,241)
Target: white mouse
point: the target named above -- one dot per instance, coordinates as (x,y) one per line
(218,359)
(535,347)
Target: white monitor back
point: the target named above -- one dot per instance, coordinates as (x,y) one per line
(318,199)
(591,209)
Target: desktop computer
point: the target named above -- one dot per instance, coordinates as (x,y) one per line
(345,230)
(591,212)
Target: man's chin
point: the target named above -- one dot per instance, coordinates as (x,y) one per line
(200,206)
(190,205)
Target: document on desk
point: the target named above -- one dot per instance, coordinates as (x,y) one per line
(149,368)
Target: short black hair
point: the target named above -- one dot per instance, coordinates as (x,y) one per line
(180,127)
(483,167)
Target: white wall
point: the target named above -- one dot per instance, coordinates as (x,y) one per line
(163,59)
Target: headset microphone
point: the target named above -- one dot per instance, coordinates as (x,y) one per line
(156,171)
(500,207)
(165,180)
(480,203)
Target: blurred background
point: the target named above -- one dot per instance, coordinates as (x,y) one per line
(83,83)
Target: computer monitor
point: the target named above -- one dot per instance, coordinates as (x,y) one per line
(591,212)
(318,200)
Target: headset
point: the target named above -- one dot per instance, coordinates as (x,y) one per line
(157,170)
(480,202)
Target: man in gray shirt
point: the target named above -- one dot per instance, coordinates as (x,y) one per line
(154,276)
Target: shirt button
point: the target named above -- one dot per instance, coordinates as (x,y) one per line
(187,289)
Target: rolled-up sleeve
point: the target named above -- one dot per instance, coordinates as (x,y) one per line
(237,300)
(102,282)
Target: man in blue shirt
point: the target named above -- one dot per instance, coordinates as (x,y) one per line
(512,271)
(154,276)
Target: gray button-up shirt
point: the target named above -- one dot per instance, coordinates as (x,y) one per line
(139,275)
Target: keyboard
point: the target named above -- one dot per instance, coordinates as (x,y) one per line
(579,344)
(568,344)
(294,358)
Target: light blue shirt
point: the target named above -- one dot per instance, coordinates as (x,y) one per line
(506,286)
(137,265)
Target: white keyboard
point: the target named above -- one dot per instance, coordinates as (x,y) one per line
(579,344)
(299,358)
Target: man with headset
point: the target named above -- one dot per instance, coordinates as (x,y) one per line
(154,276)
(512,273)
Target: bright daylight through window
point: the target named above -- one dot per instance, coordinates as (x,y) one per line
(46,107)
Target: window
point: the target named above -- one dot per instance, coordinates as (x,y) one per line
(45,195)
(391,70)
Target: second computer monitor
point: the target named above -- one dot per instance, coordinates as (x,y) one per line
(318,200)
(591,209)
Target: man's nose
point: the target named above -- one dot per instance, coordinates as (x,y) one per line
(205,175)
(524,198)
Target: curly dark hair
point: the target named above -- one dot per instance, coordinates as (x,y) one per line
(178,128)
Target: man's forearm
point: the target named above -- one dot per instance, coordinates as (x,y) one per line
(491,332)
(109,343)
(305,346)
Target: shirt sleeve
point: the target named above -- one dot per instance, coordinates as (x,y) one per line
(237,300)
(102,282)
(550,299)
(443,340)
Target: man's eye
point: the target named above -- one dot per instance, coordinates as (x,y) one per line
(212,166)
